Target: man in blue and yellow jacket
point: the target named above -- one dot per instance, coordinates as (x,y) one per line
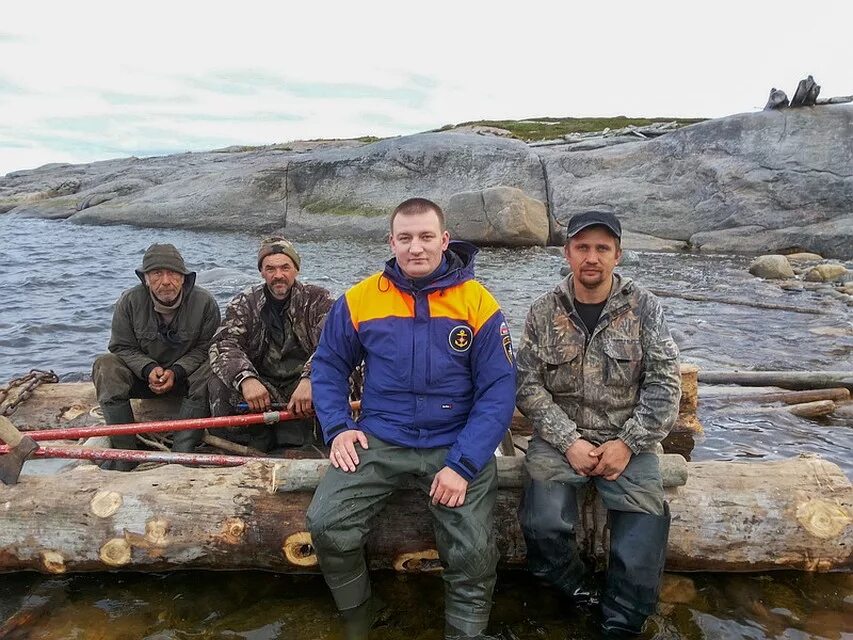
(439,393)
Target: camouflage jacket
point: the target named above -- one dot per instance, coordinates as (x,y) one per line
(142,341)
(624,382)
(243,338)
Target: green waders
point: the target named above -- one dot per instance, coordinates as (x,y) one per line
(344,504)
(639,528)
(116,384)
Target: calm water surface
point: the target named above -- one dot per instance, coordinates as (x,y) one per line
(58,283)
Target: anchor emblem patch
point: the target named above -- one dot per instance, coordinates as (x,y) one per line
(460,338)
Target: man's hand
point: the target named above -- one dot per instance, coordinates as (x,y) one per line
(300,400)
(613,456)
(161,380)
(448,488)
(579,455)
(255,394)
(343,454)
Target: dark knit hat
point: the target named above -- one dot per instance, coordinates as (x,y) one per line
(277,244)
(162,256)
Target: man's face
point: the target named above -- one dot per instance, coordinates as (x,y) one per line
(418,243)
(279,272)
(164,284)
(592,254)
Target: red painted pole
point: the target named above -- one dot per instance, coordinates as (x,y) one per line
(128,455)
(73,433)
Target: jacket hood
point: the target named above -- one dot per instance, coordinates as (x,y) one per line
(460,267)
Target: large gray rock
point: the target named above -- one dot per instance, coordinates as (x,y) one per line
(325,191)
(775,181)
(498,216)
(766,181)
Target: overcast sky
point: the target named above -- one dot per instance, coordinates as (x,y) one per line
(83,81)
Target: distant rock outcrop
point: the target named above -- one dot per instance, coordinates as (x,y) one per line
(498,216)
(772,181)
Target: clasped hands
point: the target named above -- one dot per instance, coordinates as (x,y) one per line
(607,460)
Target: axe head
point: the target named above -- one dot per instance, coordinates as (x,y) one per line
(11,463)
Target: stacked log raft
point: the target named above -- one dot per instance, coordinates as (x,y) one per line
(727,516)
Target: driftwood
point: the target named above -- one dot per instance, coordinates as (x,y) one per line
(698,297)
(816,409)
(792,514)
(786,397)
(785,379)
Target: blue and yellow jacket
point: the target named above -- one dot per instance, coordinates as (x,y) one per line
(439,365)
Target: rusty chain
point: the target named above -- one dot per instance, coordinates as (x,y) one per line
(27,384)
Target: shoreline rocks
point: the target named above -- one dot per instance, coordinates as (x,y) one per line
(775,181)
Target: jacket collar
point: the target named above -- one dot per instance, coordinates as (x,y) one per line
(460,268)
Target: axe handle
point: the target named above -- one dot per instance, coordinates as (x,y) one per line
(8,433)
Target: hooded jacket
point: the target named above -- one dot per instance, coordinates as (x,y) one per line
(439,366)
(143,341)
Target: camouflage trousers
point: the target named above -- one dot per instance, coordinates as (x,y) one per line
(345,503)
(292,433)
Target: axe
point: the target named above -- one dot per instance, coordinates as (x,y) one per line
(20,448)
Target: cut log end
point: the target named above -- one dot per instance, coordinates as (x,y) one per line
(823,519)
(298,549)
(52,562)
(105,503)
(426,561)
(115,552)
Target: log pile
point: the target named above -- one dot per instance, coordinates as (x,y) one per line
(793,514)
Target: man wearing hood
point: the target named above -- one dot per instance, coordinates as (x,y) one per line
(598,377)
(161,331)
(438,397)
(262,352)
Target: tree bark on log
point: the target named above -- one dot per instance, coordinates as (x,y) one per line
(793,514)
(797,380)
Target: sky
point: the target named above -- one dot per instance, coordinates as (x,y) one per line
(83,81)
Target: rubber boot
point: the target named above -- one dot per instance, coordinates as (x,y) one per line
(359,620)
(187,441)
(452,632)
(120,413)
(549,517)
(637,555)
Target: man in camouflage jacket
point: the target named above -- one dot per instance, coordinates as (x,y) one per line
(262,352)
(598,376)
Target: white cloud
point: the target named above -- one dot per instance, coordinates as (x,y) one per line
(123,79)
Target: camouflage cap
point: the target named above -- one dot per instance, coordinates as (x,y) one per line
(162,256)
(277,244)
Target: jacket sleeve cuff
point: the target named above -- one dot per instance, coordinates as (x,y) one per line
(242,377)
(462,469)
(180,373)
(146,371)
(629,438)
(334,432)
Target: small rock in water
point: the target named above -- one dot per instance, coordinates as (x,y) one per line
(827,272)
(791,285)
(554,251)
(629,259)
(677,589)
(772,267)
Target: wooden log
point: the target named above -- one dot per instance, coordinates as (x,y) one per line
(785,379)
(687,421)
(792,514)
(698,297)
(305,475)
(816,409)
(838,394)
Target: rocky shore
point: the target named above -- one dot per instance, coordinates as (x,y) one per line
(772,181)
